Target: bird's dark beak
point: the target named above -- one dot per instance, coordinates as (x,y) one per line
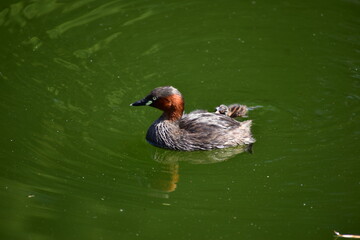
(142,102)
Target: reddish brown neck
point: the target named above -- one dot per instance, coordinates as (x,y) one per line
(173,107)
(173,115)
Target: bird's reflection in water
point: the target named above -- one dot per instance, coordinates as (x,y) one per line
(165,176)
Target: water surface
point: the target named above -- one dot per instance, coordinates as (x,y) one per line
(74,160)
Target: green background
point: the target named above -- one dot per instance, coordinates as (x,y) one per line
(74,160)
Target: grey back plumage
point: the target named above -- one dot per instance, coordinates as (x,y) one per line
(200,131)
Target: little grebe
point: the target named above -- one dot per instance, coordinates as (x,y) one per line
(198,130)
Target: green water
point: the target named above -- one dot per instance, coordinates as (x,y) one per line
(74,160)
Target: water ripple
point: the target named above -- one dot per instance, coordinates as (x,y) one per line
(85,53)
(102,11)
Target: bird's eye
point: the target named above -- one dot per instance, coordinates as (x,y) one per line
(154,98)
